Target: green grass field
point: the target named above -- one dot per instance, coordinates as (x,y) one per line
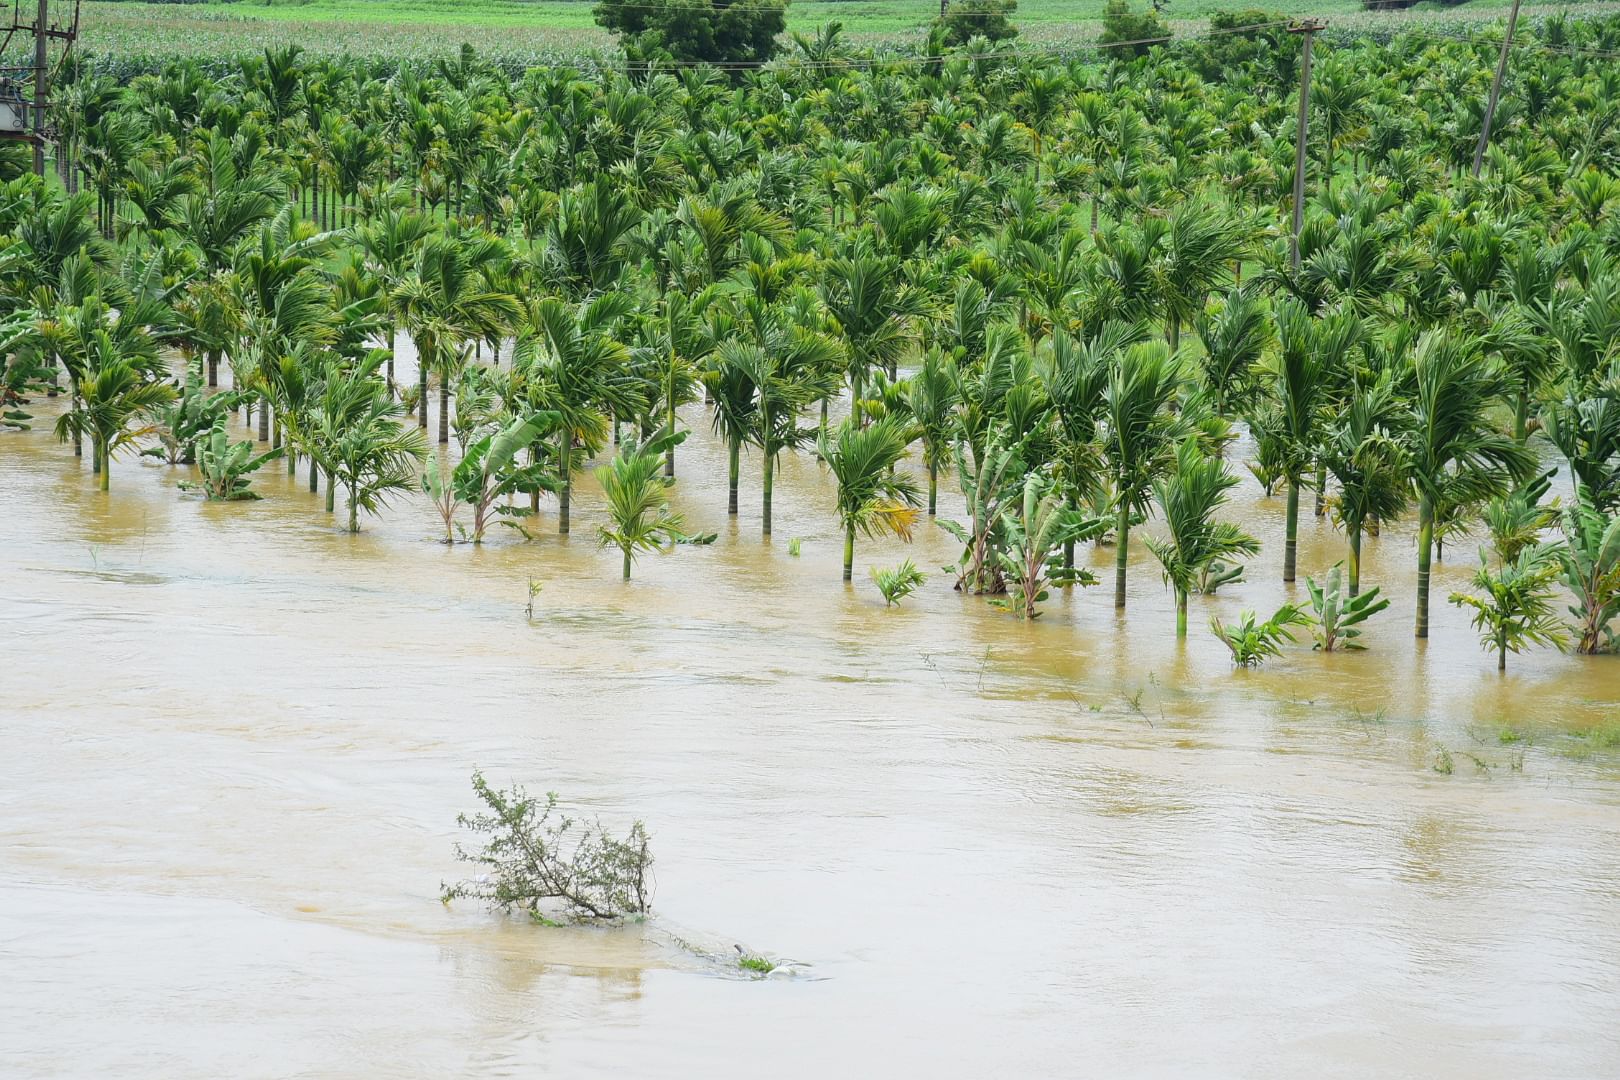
(550,27)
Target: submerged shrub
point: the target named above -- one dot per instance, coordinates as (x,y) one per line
(534,857)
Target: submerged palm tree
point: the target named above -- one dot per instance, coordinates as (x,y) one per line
(1362,450)
(637,499)
(1513,606)
(447,306)
(1453,451)
(1302,377)
(872,497)
(1188,499)
(355,434)
(1140,437)
(580,371)
(112,393)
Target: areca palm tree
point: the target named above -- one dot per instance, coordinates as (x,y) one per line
(1075,377)
(1361,448)
(873,498)
(446,307)
(1234,338)
(637,499)
(577,368)
(931,399)
(390,240)
(112,392)
(586,242)
(1140,436)
(872,311)
(1452,450)
(1204,240)
(1301,378)
(1513,608)
(355,434)
(678,345)
(1590,556)
(790,368)
(1188,499)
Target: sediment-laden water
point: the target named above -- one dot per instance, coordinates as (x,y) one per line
(235,740)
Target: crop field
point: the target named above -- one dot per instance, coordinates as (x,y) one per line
(547,28)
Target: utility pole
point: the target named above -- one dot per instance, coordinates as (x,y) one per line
(42,76)
(1307,28)
(1496,89)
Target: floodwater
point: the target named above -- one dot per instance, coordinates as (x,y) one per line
(235,740)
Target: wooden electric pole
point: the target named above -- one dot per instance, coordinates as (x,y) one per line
(1496,89)
(1306,29)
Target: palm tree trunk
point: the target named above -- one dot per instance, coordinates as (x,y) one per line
(444,412)
(669,454)
(213,368)
(565,489)
(627,564)
(421,386)
(314,477)
(1122,540)
(1521,416)
(106,465)
(1291,532)
(1425,551)
(331,493)
(734,454)
(534,496)
(73,406)
(1068,545)
(1181,614)
(354,512)
(390,357)
(1501,653)
(1355,561)
(933,487)
(1321,489)
(766,507)
(849,551)
(264,420)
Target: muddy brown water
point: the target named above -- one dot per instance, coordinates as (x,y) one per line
(235,740)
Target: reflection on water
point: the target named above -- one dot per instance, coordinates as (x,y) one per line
(236,740)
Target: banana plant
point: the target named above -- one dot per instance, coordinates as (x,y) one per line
(1590,557)
(489,471)
(1337,615)
(987,482)
(1035,532)
(188,419)
(226,466)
